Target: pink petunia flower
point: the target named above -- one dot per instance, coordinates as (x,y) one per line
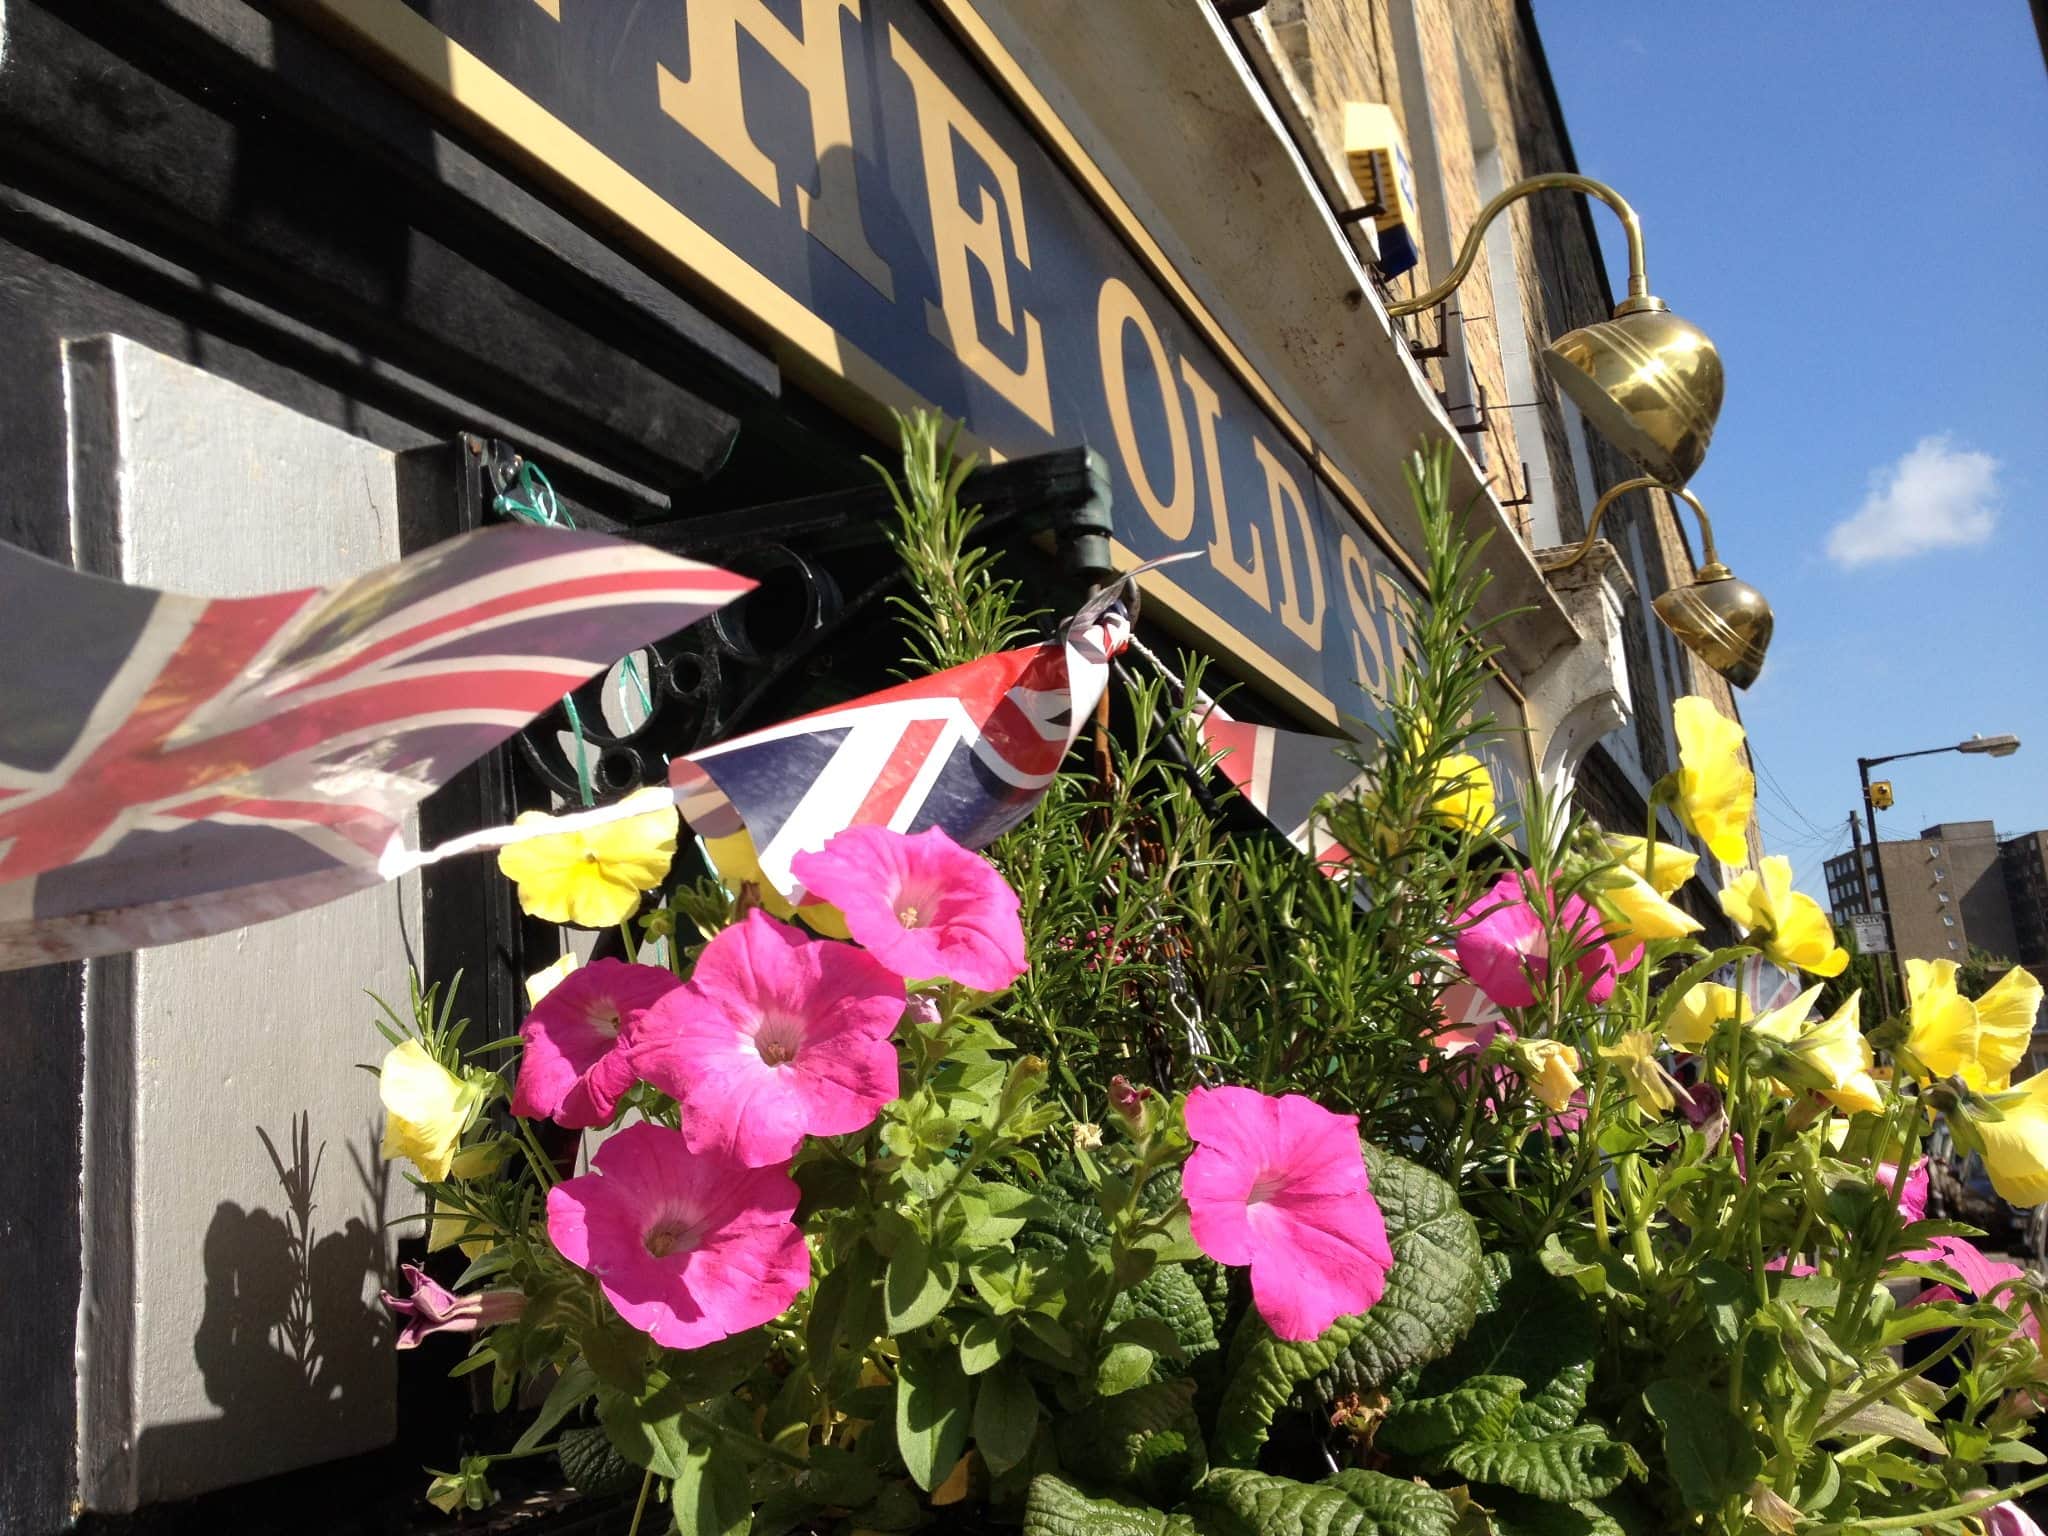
(776,1036)
(2008,1519)
(1913,1195)
(430,1307)
(1503,944)
(922,904)
(1981,1275)
(689,1247)
(577,1061)
(1280,1185)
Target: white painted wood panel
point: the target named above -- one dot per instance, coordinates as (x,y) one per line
(235,1207)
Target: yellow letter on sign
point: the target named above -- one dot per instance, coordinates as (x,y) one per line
(1284,505)
(940,116)
(712,106)
(1116,310)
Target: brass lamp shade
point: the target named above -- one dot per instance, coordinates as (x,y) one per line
(1648,381)
(1722,620)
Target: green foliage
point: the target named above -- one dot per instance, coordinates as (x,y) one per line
(1712,1454)
(1008,1311)
(1147,1440)
(1431,1295)
(962,609)
(1057,1508)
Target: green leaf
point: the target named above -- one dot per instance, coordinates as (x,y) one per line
(1005,1417)
(1352,1503)
(1054,1508)
(592,1464)
(995,1213)
(917,1286)
(1729,1299)
(1147,1440)
(577,1383)
(1432,1292)
(1882,1419)
(1581,1463)
(1172,1295)
(931,1414)
(698,1375)
(846,1312)
(1536,1328)
(710,1496)
(983,1342)
(1514,1514)
(1122,1367)
(837,1476)
(1480,1409)
(655,1444)
(1712,1455)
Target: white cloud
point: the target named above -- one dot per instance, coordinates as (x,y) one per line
(1937,496)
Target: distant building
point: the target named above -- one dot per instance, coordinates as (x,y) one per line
(2025,859)
(1956,887)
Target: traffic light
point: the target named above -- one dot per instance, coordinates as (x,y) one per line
(1880,794)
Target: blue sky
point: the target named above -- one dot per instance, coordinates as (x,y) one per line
(1852,200)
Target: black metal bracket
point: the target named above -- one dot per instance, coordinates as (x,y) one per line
(821,561)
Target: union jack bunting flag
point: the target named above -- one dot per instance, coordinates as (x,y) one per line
(172,767)
(969,749)
(1284,775)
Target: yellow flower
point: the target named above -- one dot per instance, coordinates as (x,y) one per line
(450,1228)
(2015,1147)
(1551,1069)
(1716,790)
(1465,797)
(1831,1056)
(593,878)
(1787,925)
(1699,1013)
(547,978)
(479,1159)
(1636,913)
(1636,1055)
(1672,867)
(426,1109)
(1982,1041)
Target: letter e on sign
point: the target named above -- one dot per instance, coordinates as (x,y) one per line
(959,236)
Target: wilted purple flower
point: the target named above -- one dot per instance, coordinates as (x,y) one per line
(433,1308)
(1701,1106)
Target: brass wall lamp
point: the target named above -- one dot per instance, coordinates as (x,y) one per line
(1719,617)
(1648,381)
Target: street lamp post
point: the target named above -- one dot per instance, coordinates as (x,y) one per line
(1988,746)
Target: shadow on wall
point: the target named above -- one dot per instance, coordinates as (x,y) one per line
(291,1341)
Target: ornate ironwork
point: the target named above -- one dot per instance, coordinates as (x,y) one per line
(822,561)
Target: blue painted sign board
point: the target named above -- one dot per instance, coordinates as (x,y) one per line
(843,178)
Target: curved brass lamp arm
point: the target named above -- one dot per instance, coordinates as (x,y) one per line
(1711,569)
(1638,278)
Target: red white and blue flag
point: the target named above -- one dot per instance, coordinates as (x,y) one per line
(1285,775)
(969,750)
(172,767)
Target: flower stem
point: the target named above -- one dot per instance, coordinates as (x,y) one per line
(640,1505)
(543,1168)
(1924,1517)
